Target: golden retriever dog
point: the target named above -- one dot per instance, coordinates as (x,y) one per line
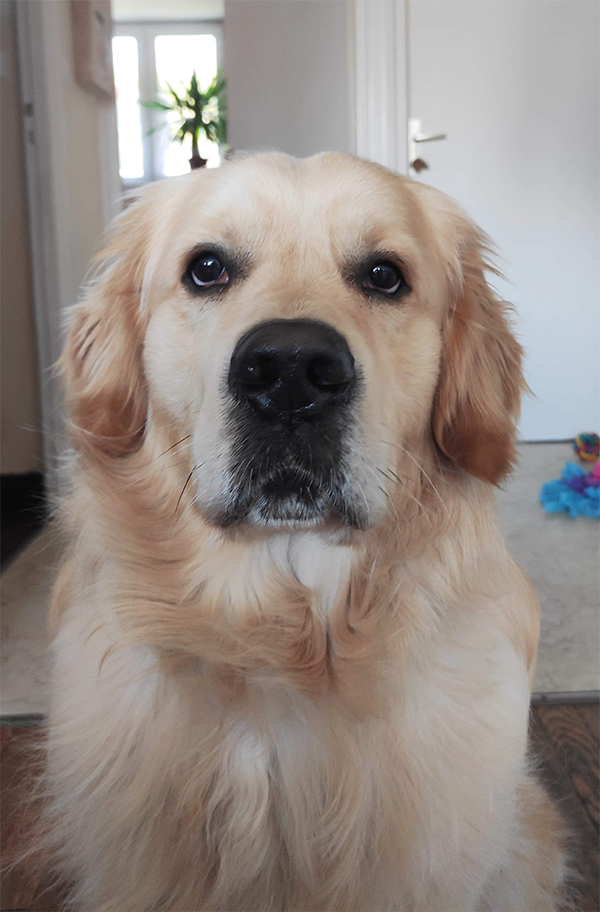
(292,656)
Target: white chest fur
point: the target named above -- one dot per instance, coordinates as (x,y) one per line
(400,808)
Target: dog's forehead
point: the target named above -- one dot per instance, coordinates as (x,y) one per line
(330,201)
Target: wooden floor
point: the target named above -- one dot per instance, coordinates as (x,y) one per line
(565,743)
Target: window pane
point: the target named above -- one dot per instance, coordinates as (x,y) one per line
(177,58)
(125,63)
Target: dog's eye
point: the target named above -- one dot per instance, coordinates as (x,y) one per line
(384,277)
(206,270)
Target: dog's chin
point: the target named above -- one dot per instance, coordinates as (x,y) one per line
(290,511)
(289,499)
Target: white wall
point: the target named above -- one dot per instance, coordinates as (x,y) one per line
(288,72)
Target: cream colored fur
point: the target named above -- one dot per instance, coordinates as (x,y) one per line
(295,718)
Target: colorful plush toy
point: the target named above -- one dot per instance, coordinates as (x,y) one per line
(576,492)
(587,447)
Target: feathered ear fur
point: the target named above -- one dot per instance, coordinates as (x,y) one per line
(481,379)
(102,360)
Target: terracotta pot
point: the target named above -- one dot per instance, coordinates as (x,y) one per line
(196,161)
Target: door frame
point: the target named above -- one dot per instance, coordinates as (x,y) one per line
(42,77)
(379,80)
(49,259)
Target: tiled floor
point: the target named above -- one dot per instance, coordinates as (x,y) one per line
(562,558)
(26,588)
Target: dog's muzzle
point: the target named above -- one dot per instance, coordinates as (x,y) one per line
(292,383)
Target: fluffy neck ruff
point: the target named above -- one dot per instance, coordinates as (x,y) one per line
(305,609)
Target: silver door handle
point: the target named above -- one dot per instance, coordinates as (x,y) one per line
(428,137)
(416,136)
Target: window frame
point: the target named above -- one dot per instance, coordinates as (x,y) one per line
(145,32)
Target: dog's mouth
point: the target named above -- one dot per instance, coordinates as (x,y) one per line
(290,494)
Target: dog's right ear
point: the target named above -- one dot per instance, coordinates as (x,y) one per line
(102,360)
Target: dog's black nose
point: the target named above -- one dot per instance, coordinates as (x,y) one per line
(292,370)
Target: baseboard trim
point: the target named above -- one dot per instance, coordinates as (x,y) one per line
(22,720)
(577,696)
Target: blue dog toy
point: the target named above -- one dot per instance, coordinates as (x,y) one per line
(576,492)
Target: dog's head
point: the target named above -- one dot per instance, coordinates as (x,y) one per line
(312,328)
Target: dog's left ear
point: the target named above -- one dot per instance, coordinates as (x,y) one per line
(481,380)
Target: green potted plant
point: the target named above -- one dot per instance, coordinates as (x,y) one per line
(198,112)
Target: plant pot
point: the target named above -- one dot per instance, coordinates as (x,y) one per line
(196,161)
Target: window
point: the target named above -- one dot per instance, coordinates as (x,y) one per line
(147,56)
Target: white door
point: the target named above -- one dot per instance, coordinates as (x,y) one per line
(514,85)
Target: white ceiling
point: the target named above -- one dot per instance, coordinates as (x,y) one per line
(199,10)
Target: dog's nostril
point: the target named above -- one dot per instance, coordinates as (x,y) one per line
(259,371)
(325,371)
